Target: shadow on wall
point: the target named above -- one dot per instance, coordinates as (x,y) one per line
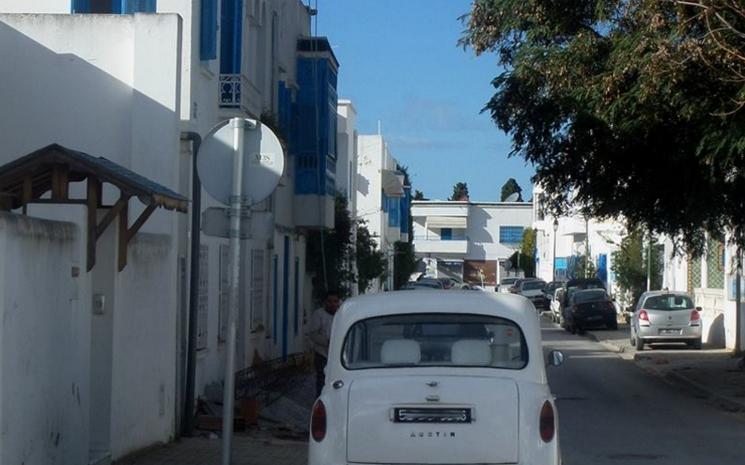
(363,184)
(478,219)
(50,97)
(714,335)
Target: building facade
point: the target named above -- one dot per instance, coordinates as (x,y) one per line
(157,73)
(382,196)
(471,241)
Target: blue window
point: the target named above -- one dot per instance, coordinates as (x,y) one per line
(446,234)
(510,234)
(394,212)
(404,205)
(113,6)
(231,35)
(208,30)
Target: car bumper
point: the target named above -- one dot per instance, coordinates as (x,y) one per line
(595,320)
(669,334)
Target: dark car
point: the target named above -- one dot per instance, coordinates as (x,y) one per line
(572,286)
(550,289)
(589,309)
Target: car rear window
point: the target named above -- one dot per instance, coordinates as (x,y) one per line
(590,296)
(508,281)
(533,285)
(668,302)
(438,339)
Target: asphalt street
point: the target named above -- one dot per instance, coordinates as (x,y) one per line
(612,412)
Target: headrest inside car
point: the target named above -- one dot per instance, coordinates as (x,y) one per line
(471,352)
(400,351)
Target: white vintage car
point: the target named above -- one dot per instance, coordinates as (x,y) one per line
(436,377)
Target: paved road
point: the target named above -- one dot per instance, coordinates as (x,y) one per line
(612,412)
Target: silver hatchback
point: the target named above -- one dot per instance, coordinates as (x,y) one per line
(665,316)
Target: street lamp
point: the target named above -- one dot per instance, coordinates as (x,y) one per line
(553,264)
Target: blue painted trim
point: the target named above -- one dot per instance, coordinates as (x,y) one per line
(80,6)
(275,296)
(297,295)
(285,296)
(208,30)
(231,36)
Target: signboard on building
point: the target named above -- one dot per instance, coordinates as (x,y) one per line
(475,270)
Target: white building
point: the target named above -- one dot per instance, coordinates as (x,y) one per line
(469,240)
(381,198)
(346,166)
(560,241)
(132,94)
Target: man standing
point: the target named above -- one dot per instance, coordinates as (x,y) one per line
(319,333)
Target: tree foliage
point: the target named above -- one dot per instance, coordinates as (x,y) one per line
(371,262)
(329,254)
(460,192)
(629,264)
(404,258)
(527,252)
(419,195)
(512,187)
(625,107)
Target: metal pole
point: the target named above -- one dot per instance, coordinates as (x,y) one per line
(649,263)
(239,127)
(553,258)
(191,357)
(738,305)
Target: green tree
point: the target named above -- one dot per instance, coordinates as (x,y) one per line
(460,192)
(371,262)
(620,104)
(629,264)
(419,195)
(512,187)
(329,253)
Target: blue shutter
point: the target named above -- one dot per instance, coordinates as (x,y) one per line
(135,6)
(81,6)
(446,234)
(231,35)
(208,30)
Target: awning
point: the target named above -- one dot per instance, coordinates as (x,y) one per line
(456,222)
(393,183)
(27,179)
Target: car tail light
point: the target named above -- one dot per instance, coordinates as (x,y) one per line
(547,423)
(643,318)
(695,317)
(318,421)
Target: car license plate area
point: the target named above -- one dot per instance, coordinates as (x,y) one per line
(595,317)
(670,332)
(432,415)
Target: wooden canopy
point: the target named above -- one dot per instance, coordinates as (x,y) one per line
(26,180)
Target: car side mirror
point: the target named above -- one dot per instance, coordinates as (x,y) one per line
(555,358)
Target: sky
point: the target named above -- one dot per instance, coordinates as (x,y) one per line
(400,64)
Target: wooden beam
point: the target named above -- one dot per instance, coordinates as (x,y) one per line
(92,233)
(60,182)
(123,235)
(139,222)
(111,214)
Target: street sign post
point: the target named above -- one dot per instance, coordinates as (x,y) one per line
(251,155)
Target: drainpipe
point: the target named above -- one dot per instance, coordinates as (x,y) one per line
(187,416)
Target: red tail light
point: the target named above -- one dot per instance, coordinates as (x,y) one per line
(547,422)
(318,421)
(695,316)
(644,318)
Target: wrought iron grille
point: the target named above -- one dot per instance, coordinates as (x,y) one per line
(230,90)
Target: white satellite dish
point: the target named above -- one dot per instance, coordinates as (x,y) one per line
(513,197)
(263,161)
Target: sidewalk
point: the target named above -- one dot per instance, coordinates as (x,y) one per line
(247,450)
(711,374)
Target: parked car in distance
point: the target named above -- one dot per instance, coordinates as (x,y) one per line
(572,286)
(666,316)
(505,284)
(433,378)
(590,308)
(532,289)
(424,283)
(550,288)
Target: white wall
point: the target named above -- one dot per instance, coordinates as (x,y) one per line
(45,311)
(109,85)
(36,6)
(484,222)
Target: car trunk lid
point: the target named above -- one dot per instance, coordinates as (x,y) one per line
(433,419)
(669,318)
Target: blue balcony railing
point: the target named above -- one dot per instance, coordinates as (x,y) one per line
(230,90)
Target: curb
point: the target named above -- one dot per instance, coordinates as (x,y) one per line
(608,345)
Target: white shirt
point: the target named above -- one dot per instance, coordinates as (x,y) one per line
(319,331)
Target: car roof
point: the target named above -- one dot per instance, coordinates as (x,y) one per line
(510,306)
